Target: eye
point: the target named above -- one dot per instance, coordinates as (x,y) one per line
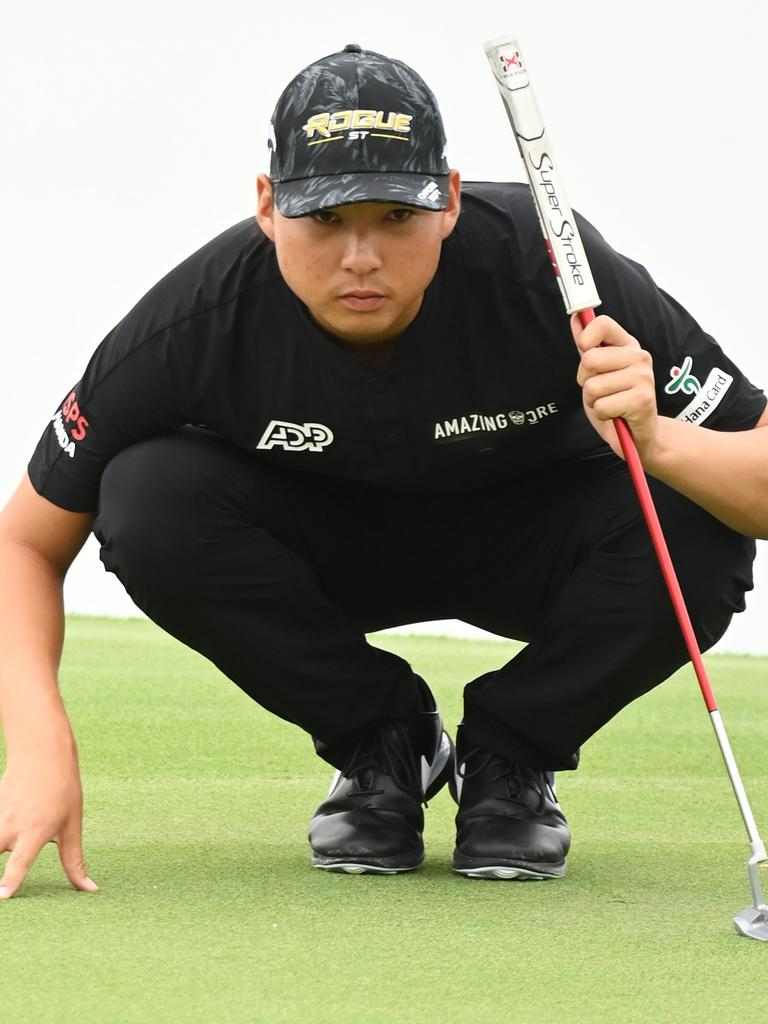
(401,214)
(324,217)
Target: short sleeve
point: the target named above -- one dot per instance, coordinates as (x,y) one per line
(149,373)
(128,392)
(695,380)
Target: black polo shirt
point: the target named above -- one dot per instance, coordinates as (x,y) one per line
(480,388)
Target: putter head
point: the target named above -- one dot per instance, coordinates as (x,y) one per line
(753,923)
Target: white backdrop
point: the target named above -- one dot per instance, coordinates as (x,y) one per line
(133,133)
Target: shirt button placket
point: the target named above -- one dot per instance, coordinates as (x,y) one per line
(386,421)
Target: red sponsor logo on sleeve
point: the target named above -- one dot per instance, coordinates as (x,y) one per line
(71,413)
(77,425)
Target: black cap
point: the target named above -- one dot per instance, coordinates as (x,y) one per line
(357,127)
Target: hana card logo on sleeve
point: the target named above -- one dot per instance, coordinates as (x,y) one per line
(706,396)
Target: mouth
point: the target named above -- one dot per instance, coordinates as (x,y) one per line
(362,299)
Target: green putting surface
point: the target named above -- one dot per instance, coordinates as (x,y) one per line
(197,803)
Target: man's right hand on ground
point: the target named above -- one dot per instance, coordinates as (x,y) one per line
(41,801)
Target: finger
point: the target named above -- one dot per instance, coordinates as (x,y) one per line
(577,328)
(624,379)
(70,845)
(21,860)
(606,384)
(600,361)
(603,330)
(628,405)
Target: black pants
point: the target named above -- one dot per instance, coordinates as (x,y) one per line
(276,576)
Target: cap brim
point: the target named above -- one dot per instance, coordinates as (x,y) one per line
(307,195)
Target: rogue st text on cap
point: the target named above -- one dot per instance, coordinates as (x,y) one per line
(357,127)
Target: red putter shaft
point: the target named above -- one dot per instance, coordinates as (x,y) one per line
(637,473)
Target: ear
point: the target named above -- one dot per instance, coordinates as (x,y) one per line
(453,209)
(265,206)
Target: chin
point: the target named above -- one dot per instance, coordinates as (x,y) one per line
(360,327)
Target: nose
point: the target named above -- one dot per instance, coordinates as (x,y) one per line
(361,253)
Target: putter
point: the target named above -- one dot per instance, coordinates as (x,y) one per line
(577,287)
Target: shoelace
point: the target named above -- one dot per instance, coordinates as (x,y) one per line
(381,752)
(519,777)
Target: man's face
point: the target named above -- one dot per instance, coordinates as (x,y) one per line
(360,269)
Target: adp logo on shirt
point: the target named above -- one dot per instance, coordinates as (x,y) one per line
(296,437)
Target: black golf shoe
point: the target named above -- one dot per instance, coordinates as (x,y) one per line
(509,823)
(372,820)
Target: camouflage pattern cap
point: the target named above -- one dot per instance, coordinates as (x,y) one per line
(357,127)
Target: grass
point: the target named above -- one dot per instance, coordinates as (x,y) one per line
(197,803)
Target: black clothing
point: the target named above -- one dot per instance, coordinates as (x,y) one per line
(276,576)
(480,388)
(323,499)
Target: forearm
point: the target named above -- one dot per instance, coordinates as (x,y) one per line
(31,638)
(724,472)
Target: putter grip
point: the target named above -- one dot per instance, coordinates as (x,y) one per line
(558,225)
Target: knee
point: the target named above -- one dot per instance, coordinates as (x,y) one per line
(156,502)
(713,603)
(714,575)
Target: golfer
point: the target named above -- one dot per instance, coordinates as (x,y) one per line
(365,408)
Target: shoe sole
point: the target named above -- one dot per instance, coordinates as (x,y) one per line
(523,871)
(356,868)
(445,763)
(392,865)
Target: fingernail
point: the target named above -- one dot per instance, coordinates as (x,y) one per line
(92,884)
(4,892)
